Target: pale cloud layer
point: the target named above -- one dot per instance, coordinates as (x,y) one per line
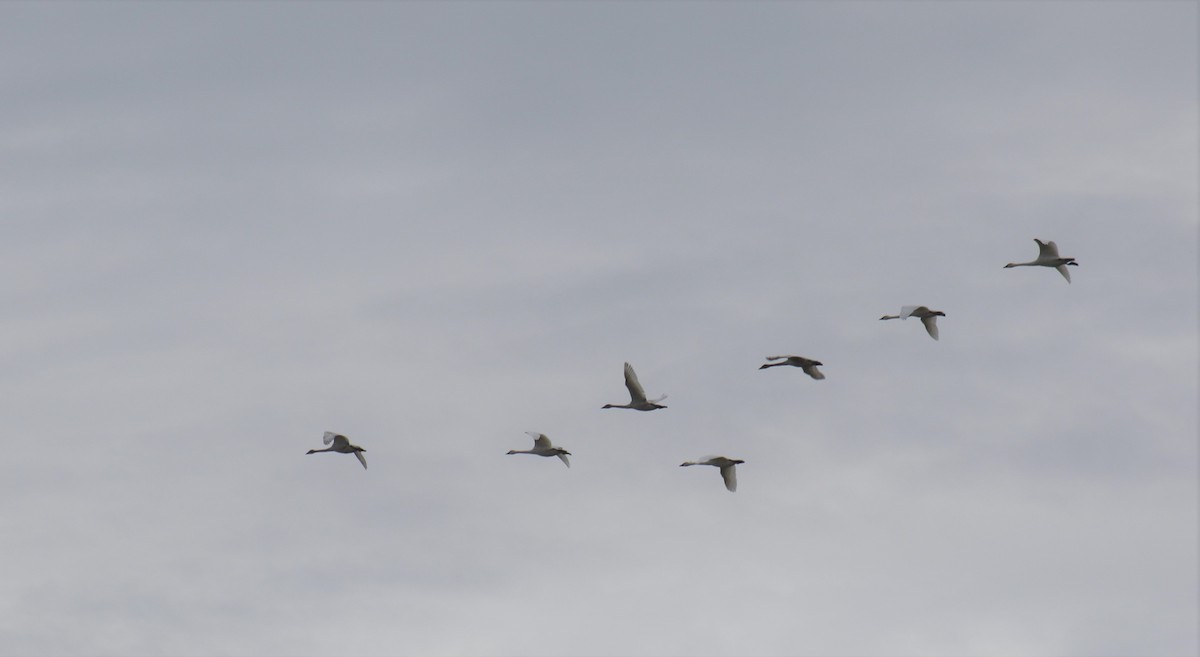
(433,227)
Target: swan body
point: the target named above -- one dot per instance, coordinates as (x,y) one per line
(1048,257)
(637,396)
(808,365)
(728,468)
(928,317)
(341,444)
(542,447)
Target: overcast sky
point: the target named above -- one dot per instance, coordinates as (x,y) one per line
(230,227)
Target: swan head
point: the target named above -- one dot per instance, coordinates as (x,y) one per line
(607,406)
(512,451)
(1011,264)
(311,451)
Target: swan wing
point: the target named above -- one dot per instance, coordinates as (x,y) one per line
(778,357)
(907,311)
(811,370)
(636,393)
(329,437)
(564,459)
(729,474)
(539,439)
(930,322)
(1062,269)
(361,459)
(1047,250)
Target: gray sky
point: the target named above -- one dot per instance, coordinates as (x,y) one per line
(433,227)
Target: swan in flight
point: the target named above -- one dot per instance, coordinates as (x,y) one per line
(1048,257)
(728,468)
(809,366)
(542,447)
(341,444)
(637,396)
(928,317)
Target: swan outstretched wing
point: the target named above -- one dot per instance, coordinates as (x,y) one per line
(329,436)
(930,322)
(907,311)
(777,357)
(729,474)
(1046,250)
(361,459)
(811,370)
(539,439)
(564,459)
(1062,269)
(635,388)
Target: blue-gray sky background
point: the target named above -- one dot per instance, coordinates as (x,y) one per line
(433,227)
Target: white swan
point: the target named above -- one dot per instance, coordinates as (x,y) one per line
(728,468)
(542,447)
(928,317)
(341,444)
(809,366)
(637,396)
(1048,257)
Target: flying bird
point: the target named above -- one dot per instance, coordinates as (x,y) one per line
(542,447)
(341,444)
(808,365)
(1048,257)
(928,317)
(637,396)
(728,468)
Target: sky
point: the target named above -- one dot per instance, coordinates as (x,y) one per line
(432,227)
